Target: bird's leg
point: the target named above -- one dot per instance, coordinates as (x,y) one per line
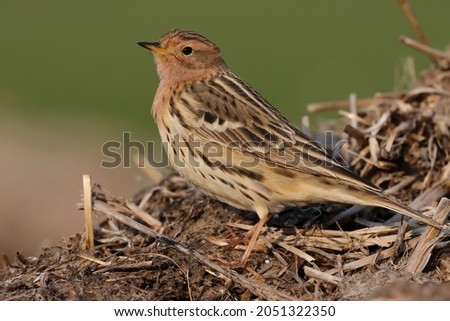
(236,240)
(253,234)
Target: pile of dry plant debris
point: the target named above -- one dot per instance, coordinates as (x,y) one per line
(161,244)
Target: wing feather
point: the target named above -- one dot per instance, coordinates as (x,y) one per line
(234,115)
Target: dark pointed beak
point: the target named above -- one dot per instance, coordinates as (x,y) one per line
(154,47)
(148,45)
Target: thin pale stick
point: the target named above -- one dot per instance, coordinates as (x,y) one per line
(433,53)
(88,222)
(345,104)
(422,251)
(323,276)
(147,218)
(413,21)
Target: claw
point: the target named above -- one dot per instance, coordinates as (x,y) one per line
(253,234)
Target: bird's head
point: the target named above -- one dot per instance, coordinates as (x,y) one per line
(184,55)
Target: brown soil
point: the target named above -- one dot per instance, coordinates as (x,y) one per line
(127,265)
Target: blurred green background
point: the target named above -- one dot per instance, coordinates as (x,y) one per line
(72,78)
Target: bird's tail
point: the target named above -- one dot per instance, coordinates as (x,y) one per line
(382,200)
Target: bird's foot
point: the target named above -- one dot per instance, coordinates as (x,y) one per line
(230,264)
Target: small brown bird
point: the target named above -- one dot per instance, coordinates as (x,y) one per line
(226,139)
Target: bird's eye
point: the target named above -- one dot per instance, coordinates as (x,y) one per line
(187,50)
